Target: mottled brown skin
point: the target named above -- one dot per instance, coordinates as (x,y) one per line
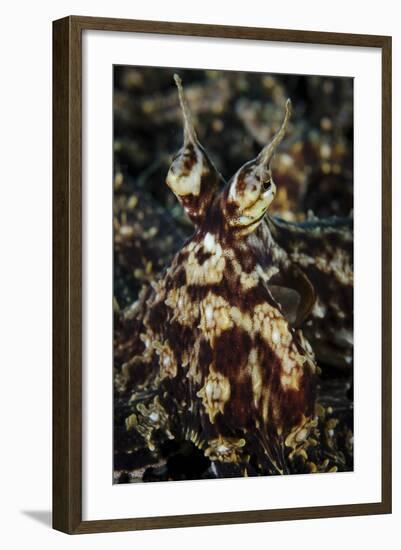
(217,356)
(209,344)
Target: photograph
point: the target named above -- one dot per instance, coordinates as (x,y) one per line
(232,274)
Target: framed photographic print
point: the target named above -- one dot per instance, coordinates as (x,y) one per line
(222,273)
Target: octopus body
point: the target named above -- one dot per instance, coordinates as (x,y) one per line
(216,348)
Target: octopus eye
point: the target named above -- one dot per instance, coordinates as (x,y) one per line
(266,185)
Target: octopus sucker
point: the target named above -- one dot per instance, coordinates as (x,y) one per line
(224,347)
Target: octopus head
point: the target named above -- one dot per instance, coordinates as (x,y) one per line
(251,190)
(200,188)
(192,176)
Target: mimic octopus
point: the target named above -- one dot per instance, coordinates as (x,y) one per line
(223,348)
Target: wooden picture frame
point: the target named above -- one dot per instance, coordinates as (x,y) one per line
(67,273)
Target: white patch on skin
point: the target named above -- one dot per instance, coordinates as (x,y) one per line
(276,336)
(209,242)
(215,393)
(224,449)
(301,435)
(209,314)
